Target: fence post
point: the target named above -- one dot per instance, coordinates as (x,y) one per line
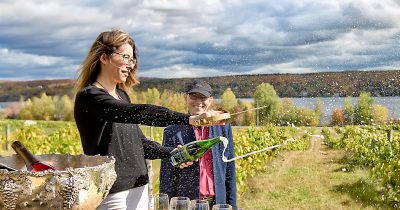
(390,135)
(7,135)
(257,115)
(150,167)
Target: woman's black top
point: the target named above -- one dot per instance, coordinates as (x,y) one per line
(108,127)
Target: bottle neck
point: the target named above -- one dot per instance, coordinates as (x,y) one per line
(216,139)
(211,141)
(21,150)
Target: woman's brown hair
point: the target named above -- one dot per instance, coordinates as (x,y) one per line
(106,42)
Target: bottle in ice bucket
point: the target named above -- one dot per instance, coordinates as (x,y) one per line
(32,163)
(192,150)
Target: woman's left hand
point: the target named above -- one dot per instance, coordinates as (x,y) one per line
(187,164)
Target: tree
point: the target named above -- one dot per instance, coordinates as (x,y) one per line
(39,108)
(26,110)
(178,104)
(66,108)
(363,109)
(133,95)
(43,107)
(338,117)
(47,108)
(318,109)
(167,99)
(249,117)
(151,96)
(348,111)
(379,114)
(307,117)
(173,101)
(287,113)
(265,95)
(228,100)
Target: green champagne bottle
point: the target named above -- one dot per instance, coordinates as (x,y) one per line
(192,150)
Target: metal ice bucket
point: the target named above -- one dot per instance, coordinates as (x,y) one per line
(80,182)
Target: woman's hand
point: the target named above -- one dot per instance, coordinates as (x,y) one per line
(187,164)
(205,119)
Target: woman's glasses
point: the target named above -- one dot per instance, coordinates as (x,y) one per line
(127,58)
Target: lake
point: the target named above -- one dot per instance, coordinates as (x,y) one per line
(330,103)
(4,104)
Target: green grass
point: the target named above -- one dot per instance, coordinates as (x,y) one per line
(314,179)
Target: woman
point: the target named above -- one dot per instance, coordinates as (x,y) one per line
(107,121)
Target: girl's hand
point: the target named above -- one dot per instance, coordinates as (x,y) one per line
(206,119)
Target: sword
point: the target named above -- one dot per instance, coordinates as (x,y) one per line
(224,116)
(249,110)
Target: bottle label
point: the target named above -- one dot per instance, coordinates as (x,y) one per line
(179,156)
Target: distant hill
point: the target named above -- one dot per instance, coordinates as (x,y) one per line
(325,84)
(14,90)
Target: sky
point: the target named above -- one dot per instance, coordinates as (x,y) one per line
(48,39)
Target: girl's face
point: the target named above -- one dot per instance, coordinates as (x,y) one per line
(198,103)
(119,64)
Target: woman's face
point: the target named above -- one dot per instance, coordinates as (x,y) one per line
(120,64)
(197,103)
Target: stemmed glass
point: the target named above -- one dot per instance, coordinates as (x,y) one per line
(179,203)
(158,202)
(199,205)
(222,207)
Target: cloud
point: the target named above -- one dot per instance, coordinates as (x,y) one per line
(203,38)
(182,71)
(46,67)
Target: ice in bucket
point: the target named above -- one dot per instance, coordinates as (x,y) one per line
(80,182)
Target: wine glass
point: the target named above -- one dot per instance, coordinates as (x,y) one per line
(158,202)
(199,205)
(222,207)
(179,203)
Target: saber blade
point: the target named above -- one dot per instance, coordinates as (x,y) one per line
(249,110)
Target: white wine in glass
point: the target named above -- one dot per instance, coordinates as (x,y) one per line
(179,203)
(222,207)
(199,205)
(158,202)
